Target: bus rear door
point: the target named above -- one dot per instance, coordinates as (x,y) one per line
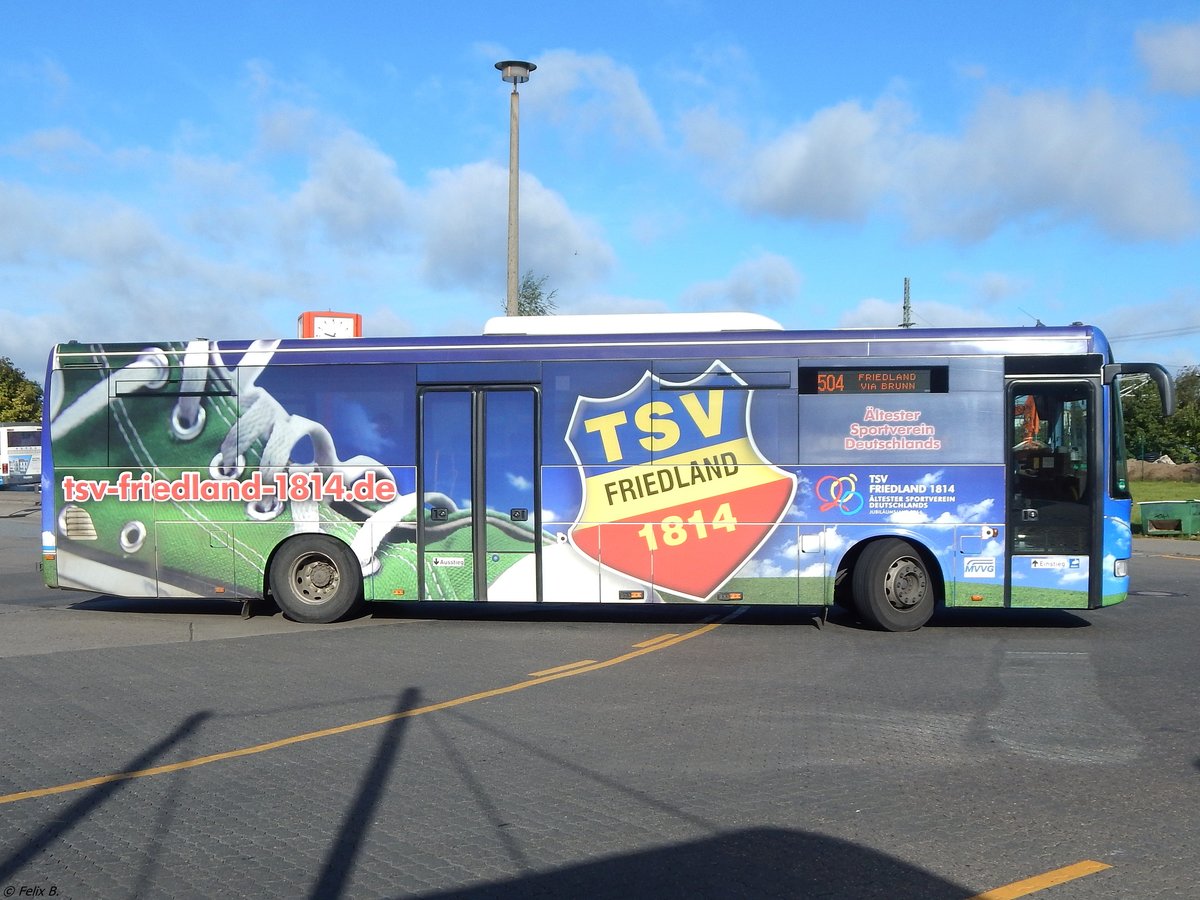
(478,492)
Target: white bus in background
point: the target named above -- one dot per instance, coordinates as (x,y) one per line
(20,453)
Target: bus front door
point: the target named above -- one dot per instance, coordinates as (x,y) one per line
(1052,517)
(477,485)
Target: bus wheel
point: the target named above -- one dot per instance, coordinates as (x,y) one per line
(892,589)
(315,578)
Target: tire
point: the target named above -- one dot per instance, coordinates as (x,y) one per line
(892,588)
(315,579)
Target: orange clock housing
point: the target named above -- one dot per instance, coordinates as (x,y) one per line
(329,324)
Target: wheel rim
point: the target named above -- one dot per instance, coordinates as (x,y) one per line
(315,578)
(905,584)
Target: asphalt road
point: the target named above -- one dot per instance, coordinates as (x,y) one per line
(180,751)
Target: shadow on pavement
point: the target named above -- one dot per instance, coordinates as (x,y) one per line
(460,611)
(191,606)
(357,821)
(756,862)
(18,504)
(79,811)
(1007,618)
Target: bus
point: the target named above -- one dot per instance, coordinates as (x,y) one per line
(20,454)
(698,458)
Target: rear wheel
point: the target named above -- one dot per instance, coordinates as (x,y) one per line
(316,579)
(891,586)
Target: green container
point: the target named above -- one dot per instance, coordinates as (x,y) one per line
(1180,517)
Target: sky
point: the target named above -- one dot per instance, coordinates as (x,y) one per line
(171,171)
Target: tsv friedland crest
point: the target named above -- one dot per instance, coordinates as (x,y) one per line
(675,491)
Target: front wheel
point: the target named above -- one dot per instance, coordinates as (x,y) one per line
(315,579)
(891,586)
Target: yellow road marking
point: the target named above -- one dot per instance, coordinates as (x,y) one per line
(366,723)
(567,668)
(653,641)
(1043,881)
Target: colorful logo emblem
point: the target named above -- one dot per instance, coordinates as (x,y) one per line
(841,493)
(675,491)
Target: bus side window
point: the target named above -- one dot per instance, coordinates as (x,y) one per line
(1050,443)
(161,422)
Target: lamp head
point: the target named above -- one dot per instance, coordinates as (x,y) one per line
(515,71)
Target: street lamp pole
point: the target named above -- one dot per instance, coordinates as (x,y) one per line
(515,72)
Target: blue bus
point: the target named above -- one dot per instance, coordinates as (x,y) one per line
(704,458)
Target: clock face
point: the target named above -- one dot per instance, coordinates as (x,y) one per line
(333,327)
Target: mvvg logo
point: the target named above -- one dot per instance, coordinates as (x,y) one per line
(979,567)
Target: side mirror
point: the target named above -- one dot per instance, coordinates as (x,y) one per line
(1159,375)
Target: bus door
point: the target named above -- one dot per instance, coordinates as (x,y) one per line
(478,493)
(1053,491)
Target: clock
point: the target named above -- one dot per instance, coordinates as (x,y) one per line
(330,324)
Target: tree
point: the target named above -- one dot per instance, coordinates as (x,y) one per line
(1148,433)
(532,299)
(20,396)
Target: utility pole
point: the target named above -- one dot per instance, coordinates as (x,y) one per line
(514,71)
(907,323)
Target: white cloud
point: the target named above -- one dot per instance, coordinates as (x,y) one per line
(1046,158)
(832,167)
(464,224)
(29,223)
(766,280)
(766,568)
(975,512)
(212,245)
(963,513)
(649,227)
(106,253)
(1171,54)
(599,302)
(369,437)
(589,93)
(1073,579)
(991,288)
(833,540)
(909,517)
(224,202)
(53,149)
(1175,314)
(386,322)
(287,128)
(96,269)
(816,570)
(27,339)
(1036,159)
(710,137)
(876,313)
(308,212)
(787,560)
(353,194)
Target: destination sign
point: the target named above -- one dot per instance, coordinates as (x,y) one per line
(891,380)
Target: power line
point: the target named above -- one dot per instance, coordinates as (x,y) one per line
(1147,335)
